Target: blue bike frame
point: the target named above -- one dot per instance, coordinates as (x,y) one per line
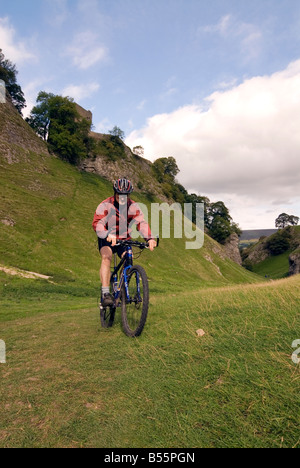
(127,260)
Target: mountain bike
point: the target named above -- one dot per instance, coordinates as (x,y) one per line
(130,290)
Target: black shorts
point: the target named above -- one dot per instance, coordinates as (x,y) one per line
(118,249)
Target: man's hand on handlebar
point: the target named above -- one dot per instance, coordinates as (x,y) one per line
(111,238)
(152,244)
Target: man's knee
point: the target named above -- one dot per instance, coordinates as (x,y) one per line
(106,254)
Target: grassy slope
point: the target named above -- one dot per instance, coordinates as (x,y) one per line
(274,267)
(53,206)
(277,266)
(69,383)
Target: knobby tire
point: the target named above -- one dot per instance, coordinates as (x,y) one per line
(133,326)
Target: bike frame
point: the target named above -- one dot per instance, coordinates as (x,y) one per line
(126,262)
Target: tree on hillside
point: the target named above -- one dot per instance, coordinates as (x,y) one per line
(39,118)
(8,73)
(285,220)
(217,219)
(165,169)
(117,132)
(220,223)
(219,209)
(56,120)
(279,242)
(138,151)
(194,199)
(220,229)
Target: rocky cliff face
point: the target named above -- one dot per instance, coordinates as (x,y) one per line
(294,261)
(135,168)
(259,253)
(17,139)
(232,250)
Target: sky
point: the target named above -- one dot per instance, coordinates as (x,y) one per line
(215,84)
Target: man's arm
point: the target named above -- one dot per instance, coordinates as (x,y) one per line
(143,227)
(104,221)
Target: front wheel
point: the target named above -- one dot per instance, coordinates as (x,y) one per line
(135,301)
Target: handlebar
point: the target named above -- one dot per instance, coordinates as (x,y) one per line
(141,245)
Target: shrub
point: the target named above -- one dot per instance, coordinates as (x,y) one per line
(279,243)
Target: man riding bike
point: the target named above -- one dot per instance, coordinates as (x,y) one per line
(112,221)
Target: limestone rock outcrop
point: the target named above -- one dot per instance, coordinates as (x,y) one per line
(232,249)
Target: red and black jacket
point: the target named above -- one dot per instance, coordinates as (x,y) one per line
(110,218)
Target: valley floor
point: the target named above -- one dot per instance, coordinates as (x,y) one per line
(69,383)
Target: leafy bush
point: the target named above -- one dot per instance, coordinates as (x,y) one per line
(279,242)
(110,147)
(8,73)
(56,120)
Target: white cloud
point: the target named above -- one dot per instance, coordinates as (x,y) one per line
(78,92)
(17,51)
(86,50)
(242,145)
(247,36)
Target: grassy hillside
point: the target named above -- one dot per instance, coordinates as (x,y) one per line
(69,383)
(275,266)
(49,206)
(52,205)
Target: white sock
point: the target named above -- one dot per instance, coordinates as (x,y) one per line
(105,290)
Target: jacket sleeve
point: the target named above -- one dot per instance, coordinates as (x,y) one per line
(135,214)
(104,219)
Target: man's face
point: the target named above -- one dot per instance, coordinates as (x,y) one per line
(121,199)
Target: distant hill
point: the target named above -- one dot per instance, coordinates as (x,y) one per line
(256,233)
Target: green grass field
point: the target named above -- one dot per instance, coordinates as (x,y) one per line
(69,383)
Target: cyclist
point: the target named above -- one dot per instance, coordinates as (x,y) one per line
(112,221)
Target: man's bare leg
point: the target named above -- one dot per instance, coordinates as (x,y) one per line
(105,274)
(106,254)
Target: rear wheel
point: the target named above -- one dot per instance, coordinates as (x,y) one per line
(135,308)
(107,314)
